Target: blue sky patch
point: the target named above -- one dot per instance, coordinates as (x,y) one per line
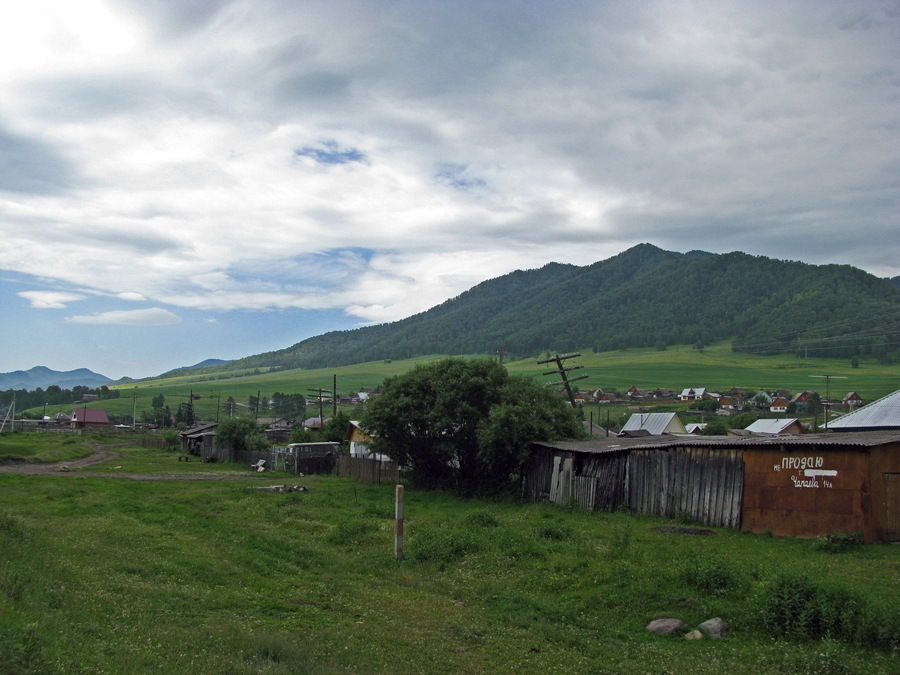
(329,152)
(458,176)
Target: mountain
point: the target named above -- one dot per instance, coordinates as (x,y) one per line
(643,297)
(43,377)
(211,364)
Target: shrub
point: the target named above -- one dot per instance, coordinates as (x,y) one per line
(839,542)
(797,607)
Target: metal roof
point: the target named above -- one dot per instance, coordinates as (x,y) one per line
(861,440)
(653,423)
(881,414)
(776,426)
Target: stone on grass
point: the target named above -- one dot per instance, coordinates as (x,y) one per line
(693,635)
(665,626)
(715,628)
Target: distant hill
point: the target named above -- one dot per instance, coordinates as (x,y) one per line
(643,297)
(208,363)
(43,377)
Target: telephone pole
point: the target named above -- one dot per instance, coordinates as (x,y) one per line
(563,372)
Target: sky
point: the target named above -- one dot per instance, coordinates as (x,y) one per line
(184,180)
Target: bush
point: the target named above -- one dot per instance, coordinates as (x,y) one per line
(797,607)
(839,542)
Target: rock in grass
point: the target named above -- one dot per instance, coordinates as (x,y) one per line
(715,628)
(665,626)
(693,635)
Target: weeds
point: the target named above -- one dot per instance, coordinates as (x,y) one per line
(839,542)
(794,606)
(711,574)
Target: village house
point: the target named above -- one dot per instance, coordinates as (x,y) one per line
(636,394)
(801,399)
(89,418)
(778,406)
(583,399)
(691,394)
(852,400)
(727,406)
(773,427)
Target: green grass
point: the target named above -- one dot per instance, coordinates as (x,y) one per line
(118,575)
(716,367)
(46,448)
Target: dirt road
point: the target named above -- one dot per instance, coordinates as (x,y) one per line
(101,454)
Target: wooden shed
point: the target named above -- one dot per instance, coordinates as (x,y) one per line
(803,486)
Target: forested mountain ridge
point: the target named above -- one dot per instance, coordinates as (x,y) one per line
(642,297)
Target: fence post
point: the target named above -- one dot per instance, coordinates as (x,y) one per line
(398,532)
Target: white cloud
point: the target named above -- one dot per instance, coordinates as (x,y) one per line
(378,158)
(50,299)
(154,316)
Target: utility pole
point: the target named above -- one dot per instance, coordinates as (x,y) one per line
(320,394)
(828,379)
(563,373)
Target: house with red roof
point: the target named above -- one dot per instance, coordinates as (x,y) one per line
(89,418)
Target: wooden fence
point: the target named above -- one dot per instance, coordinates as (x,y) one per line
(703,485)
(368,470)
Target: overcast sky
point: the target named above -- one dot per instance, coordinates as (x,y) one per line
(203,179)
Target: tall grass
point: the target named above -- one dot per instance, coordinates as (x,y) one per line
(119,575)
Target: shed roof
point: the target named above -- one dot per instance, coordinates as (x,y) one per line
(776,426)
(654,423)
(881,414)
(600,445)
(90,416)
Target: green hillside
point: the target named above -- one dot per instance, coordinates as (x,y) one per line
(716,367)
(644,297)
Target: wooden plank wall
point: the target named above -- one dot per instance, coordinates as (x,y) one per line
(369,471)
(701,484)
(595,482)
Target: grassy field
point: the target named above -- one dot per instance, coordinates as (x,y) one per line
(107,573)
(716,368)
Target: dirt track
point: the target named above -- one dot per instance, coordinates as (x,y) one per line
(75,467)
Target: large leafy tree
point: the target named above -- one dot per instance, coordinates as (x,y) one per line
(464,423)
(241,434)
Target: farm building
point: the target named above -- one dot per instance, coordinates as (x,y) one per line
(803,486)
(89,418)
(881,414)
(359,443)
(200,439)
(653,424)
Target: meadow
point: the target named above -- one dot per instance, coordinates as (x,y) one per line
(147,564)
(716,367)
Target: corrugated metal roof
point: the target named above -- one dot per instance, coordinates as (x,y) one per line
(653,423)
(770,426)
(881,414)
(860,440)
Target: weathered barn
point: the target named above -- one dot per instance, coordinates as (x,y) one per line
(804,486)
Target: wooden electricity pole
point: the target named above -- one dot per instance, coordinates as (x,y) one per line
(563,372)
